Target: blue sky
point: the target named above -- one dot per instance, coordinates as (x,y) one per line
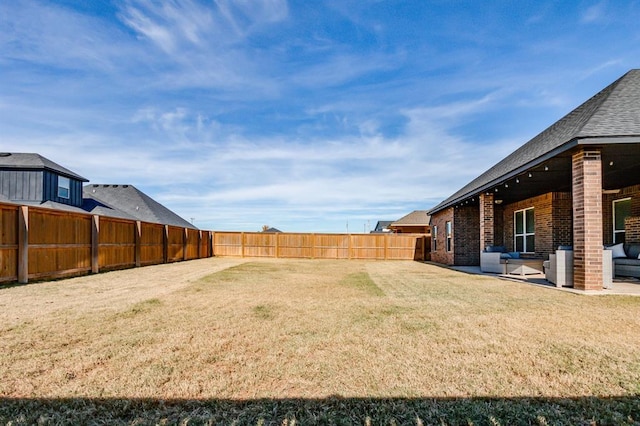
(303,115)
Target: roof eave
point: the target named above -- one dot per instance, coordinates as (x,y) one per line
(589,140)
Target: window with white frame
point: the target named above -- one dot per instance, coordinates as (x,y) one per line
(621,211)
(524,234)
(435,238)
(448,232)
(64,187)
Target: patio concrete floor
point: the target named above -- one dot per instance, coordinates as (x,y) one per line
(621,285)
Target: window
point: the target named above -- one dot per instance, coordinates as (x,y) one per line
(524,232)
(448,232)
(621,210)
(64,187)
(435,238)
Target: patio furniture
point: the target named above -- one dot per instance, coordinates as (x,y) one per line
(491,260)
(524,266)
(626,260)
(558,269)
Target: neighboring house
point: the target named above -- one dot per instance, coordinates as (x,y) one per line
(271,230)
(114,200)
(382,227)
(577,183)
(33,180)
(416,222)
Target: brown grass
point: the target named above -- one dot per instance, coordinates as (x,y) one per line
(241,329)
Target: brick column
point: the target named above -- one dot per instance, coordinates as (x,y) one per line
(487,227)
(587,219)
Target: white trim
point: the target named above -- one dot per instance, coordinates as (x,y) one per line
(524,234)
(613,218)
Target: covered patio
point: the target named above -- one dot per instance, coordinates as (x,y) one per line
(575,186)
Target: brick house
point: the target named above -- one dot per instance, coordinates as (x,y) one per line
(576,183)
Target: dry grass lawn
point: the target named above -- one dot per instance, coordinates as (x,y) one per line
(265,330)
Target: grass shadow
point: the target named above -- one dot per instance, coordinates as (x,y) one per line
(332,410)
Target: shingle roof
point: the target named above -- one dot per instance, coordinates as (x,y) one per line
(21,160)
(417,218)
(127,199)
(614,112)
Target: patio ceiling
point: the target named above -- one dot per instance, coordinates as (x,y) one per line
(620,164)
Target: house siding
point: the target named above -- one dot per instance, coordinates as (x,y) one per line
(441,255)
(51,190)
(553,225)
(632,192)
(466,236)
(21,185)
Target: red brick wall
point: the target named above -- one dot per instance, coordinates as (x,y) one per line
(466,235)
(487,220)
(553,224)
(587,219)
(632,192)
(632,229)
(439,219)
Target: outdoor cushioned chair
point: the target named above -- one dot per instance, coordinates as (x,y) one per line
(493,258)
(559,268)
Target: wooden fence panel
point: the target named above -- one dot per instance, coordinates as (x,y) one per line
(331,246)
(192,244)
(296,245)
(205,244)
(175,244)
(367,246)
(402,246)
(59,243)
(227,243)
(151,243)
(260,244)
(117,245)
(8,243)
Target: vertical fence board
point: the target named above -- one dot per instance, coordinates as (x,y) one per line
(8,243)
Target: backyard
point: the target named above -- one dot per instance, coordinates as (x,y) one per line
(280,341)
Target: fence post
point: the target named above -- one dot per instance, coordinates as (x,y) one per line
(95,244)
(386,246)
(165,244)
(242,243)
(199,244)
(349,247)
(277,245)
(185,239)
(212,244)
(313,246)
(23,244)
(138,241)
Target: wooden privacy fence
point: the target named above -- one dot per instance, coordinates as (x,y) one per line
(41,243)
(37,243)
(322,246)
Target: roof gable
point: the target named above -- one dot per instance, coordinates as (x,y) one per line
(612,112)
(134,203)
(30,161)
(416,218)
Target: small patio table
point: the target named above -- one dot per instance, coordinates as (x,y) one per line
(524,266)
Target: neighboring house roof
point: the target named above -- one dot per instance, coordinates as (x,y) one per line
(611,116)
(129,202)
(415,218)
(272,230)
(28,161)
(382,226)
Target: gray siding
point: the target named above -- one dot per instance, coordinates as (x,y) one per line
(22,185)
(51,190)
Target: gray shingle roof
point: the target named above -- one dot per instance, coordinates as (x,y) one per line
(417,218)
(614,112)
(131,203)
(29,161)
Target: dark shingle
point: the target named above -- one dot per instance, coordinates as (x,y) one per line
(613,112)
(132,202)
(29,161)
